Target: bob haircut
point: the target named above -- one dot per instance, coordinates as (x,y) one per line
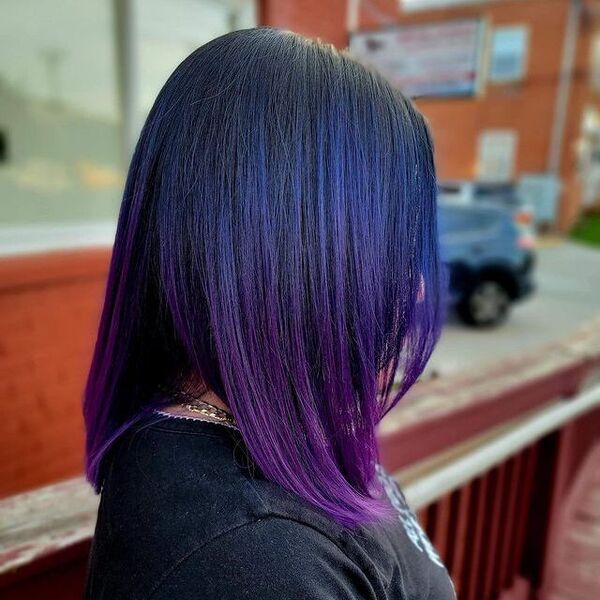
(277,243)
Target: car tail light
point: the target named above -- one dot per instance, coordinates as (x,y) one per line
(523,217)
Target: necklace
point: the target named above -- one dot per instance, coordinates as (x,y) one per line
(194,404)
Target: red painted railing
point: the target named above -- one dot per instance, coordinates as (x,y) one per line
(480,529)
(496,523)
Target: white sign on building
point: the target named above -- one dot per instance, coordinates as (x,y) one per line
(438,59)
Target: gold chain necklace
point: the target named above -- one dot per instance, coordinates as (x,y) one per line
(194,404)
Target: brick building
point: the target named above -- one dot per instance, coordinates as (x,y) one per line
(527,106)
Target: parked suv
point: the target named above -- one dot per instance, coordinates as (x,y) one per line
(489,253)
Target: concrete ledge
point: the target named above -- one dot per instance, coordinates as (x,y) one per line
(44,522)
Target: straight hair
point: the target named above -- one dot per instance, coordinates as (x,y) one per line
(277,242)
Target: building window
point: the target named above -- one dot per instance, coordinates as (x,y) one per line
(508,54)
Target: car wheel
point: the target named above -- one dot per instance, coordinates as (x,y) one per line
(486,304)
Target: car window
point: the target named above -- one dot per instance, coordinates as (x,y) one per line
(449,188)
(468,219)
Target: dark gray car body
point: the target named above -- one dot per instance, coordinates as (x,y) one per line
(482,241)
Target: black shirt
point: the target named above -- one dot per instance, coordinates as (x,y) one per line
(182,516)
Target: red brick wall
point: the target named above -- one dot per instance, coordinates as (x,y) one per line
(49,308)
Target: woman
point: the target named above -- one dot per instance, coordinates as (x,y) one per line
(275,265)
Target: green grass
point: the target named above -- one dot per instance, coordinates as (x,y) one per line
(587,230)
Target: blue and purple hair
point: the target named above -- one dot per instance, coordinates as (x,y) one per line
(277,231)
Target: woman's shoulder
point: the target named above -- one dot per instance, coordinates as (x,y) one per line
(168,467)
(174,475)
(270,558)
(202,470)
(182,509)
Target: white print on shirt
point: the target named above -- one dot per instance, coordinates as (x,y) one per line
(408,519)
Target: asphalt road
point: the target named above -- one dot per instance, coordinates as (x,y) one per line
(567,295)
